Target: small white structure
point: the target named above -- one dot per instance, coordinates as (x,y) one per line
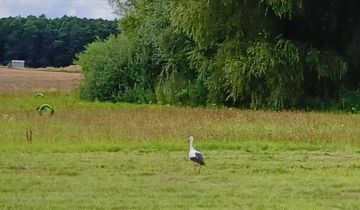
(17,64)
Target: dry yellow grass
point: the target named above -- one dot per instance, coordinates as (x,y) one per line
(83,121)
(17,81)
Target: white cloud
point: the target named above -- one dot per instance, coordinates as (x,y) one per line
(96,9)
(71,12)
(4,11)
(39,3)
(57,8)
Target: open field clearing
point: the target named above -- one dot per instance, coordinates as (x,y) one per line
(145,179)
(30,81)
(92,155)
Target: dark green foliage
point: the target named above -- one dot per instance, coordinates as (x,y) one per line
(116,74)
(348,101)
(276,54)
(45,42)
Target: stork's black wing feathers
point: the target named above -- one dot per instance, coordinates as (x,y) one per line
(198,159)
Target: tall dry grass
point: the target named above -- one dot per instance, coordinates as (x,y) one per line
(87,122)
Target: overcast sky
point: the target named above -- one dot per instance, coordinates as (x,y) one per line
(56,8)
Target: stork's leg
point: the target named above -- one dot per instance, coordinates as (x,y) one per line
(197,168)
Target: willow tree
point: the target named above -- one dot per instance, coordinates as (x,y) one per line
(248,58)
(250,53)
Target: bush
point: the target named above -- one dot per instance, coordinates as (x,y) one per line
(348,101)
(111,72)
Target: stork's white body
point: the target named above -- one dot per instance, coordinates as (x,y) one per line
(192,153)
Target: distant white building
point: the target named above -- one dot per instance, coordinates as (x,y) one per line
(17,64)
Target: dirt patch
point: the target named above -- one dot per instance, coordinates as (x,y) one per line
(30,81)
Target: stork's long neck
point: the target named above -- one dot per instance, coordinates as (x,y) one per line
(191,144)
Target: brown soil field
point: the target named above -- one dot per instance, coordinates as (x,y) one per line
(31,81)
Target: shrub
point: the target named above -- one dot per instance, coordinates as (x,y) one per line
(111,73)
(348,101)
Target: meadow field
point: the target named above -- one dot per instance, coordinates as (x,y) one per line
(31,80)
(92,155)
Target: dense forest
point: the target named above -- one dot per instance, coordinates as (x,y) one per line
(277,54)
(45,42)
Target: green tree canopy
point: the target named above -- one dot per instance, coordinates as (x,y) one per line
(45,42)
(253,53)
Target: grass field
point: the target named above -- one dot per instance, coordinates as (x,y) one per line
(121,156)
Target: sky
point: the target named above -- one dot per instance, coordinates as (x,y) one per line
(57,8)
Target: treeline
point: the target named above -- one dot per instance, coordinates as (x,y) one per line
(277,54)
(42,42)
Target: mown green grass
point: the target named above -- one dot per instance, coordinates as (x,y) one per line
(121,156)
(140,179)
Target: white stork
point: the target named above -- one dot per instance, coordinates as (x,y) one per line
(195,155)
